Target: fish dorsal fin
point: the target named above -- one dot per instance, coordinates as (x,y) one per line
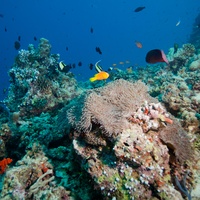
(98,67)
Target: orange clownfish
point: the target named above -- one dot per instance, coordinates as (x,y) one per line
(99,76)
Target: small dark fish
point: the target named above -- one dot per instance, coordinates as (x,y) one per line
(73,65)
(155,56)
(91,30)
(91,66)
(5,29)
(35,38)
(80,64)
(19,38)
(17,45)
(175,47)
(138,9)
(66,48)
(1,15)
(98,50)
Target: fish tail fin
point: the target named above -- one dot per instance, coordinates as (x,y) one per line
(93,79)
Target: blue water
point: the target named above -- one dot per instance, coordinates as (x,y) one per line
(115,25)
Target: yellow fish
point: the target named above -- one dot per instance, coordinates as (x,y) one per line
(99,76)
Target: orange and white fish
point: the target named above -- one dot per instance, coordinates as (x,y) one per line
(99,76)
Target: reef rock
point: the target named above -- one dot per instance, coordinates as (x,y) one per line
(138,143)
(32,178)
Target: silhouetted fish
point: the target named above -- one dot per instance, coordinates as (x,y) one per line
(80,64)
(1,15)
(35,38)
(91,66)
(138,9)
(98,50)
(66,48)
(5,29)
(156,55)
(91,30)
(17,45)
(19,38)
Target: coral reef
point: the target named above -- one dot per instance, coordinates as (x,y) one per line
(126,141)
(32,178)
(36,83)
(195,35)
(102,140)
(181,57)
(176,85)
(5,134)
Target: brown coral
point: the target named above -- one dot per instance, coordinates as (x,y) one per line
(110,106)
(176,139)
